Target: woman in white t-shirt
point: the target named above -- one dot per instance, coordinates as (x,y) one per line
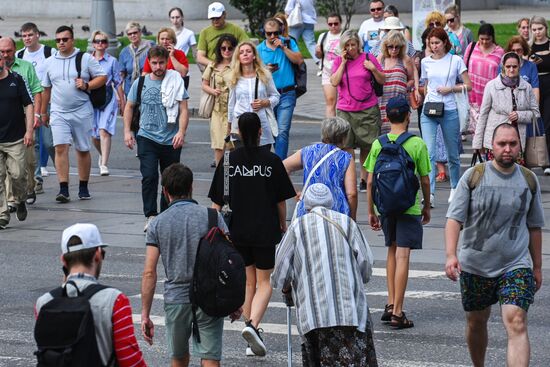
(440,71)
(185,37)
(328,50)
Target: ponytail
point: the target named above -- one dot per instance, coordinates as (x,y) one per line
(249,128)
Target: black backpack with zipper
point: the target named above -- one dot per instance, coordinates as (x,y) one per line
(65,331)
(100,97)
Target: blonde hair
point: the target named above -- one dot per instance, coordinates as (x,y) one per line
(540,21)
(263,74)
(281,18)
(100,33)
(132,24)
(350,35)
(394,37)
(434,17)
(171,34)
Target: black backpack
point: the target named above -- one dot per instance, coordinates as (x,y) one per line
(395,184)
(219,276)
(47,52)
(65,331)
(300,74)
(98,96)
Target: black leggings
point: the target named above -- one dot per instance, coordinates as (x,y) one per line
(544,105)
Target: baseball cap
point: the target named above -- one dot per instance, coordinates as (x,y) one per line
(317,194)
(88,234)
(215,10)
(398,103)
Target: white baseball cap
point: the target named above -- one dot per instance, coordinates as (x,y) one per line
(88,234)
(215,10)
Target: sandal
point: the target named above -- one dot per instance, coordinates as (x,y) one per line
(401,322)
(388,312)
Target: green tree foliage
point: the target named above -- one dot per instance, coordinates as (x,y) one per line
(257,11)
(346,8)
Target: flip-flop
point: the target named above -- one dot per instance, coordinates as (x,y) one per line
(401,322)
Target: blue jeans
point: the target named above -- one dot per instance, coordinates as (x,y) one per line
(152,155)
(43,148)
(450,127)
(306,31)
(283,112)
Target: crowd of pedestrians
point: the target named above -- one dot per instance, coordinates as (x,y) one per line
(370,79)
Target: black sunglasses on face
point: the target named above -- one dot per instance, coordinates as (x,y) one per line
(100,41)
(223,48)
(269,34)
(64,39)
(451,20)
(333,24)
(132,33)
(375,9)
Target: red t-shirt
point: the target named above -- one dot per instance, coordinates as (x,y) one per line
(180,56)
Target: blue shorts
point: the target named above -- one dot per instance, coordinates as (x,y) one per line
(516,287)
(404,230)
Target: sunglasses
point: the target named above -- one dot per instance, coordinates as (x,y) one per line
(435,24)
(132,33)
(333,24)
(64,39)
(224,48)
(269,34)
(394,47)
(375,9)
(103,41)
(451,20)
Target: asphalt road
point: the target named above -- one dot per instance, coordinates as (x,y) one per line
(29,252)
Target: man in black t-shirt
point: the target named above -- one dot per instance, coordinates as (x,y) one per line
(16,133)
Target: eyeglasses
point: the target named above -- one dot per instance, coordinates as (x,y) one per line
(132,33)
(223,48)
(333,24)
(511,66)
(375,9)
(394,47)
(64,39)
(100,41)
(435,24)
(269,34)
(451,20)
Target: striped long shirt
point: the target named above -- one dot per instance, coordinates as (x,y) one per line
(327,271)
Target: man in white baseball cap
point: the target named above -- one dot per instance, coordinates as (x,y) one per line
(82,256)
(209,35)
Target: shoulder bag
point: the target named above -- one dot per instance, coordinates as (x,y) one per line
(437,109)
(206,104)
(226,211)
(376,87)
(295,16)
(306,184)
(268,112)
(536,151)
(136,112)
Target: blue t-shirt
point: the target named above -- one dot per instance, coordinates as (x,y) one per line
(126,61)
(153,123)
(284,76)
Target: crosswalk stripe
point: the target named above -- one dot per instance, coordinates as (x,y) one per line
(422,294)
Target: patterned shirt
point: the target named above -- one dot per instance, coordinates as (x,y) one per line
(482,68)
(326,270)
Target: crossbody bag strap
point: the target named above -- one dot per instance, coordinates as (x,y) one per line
(226,177)
(325,157)
(347,81)
(336,225)
(256,87)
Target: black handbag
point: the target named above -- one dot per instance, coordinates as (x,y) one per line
(434,109)
(226,211)
(377,87)
(136,115)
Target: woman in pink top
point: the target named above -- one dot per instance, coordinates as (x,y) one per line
(357,103)
(483,65)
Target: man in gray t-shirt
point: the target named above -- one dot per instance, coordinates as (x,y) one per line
(174,235)
(499,206)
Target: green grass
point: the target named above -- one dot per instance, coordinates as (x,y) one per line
(503,33)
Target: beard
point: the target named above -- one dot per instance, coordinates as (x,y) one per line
(506,162)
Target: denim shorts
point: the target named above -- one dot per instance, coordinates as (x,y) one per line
(516,287)
(179,318)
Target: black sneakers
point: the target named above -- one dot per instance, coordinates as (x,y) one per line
(363,186)
(63,196)
(255,341)
(83,193)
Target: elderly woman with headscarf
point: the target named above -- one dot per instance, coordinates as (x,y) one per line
(132,57)
(337,171)
(331,304)
(507,99)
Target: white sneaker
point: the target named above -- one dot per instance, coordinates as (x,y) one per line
(451,196)
(249,352)
(547,171)
(44,172)
(99,161)
(103,171)
(147,222)
(432,201)
(252,336)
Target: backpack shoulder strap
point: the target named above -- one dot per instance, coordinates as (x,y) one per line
(472,45)
(93,289)
(401,139)
(21,53)
(57,292)
(78,63)
(212,218)
(530,179)
(47,51)
(383,139)
(475,177)
(140,87)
